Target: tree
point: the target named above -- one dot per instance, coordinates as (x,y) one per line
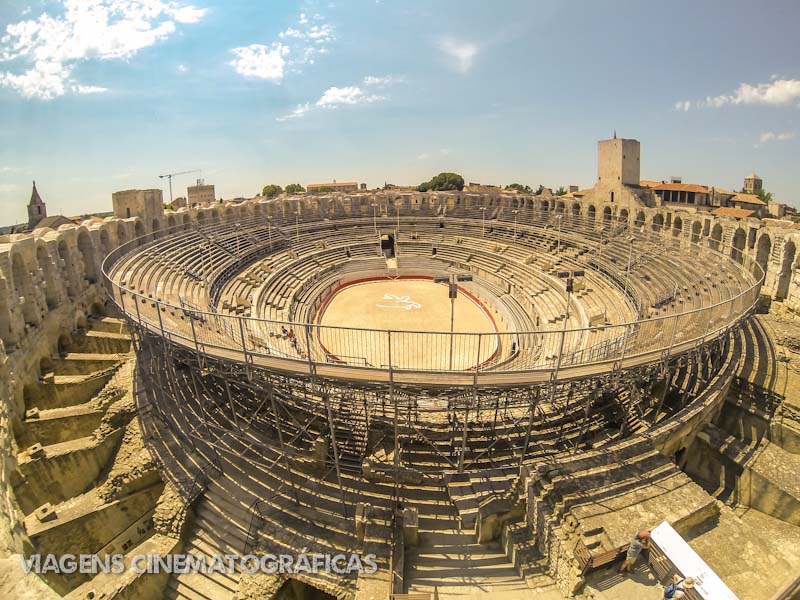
(764,196)
(561,191)
(443,182)
(523,189)
(539,190)
(271,190)
(294,188)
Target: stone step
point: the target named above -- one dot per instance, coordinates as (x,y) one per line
(76,363)
(61,424)
(65,390)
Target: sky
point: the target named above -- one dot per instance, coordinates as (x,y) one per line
(103,95)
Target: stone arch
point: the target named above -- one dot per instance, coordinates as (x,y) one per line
(138,230)
(658,223)
(22,288)
(187,221)
(66,264)
(171,221)
(545,205)
(97,310)
(592,213)
(623,215)
(785,275)
(48,278)
(105,242)
(64,343)
(201,217)
(677,227)
(155,228)
(86,248)
(763,250)
(639,218)
(121,237)
(576,209)
(560,207)
(737,245)
(607,214)
(716,237)
(215,215)
(45,365)
(696,229)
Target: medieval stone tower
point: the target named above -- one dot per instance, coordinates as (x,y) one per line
(618,161)
(37,209)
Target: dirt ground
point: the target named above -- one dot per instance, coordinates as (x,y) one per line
(406,305)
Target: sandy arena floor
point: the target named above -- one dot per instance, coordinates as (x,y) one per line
(406,305)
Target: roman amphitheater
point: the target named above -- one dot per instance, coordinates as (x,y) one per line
(489,392)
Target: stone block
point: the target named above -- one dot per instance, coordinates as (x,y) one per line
(46,512)
(410,527)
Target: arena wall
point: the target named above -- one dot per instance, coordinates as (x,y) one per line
(50,279)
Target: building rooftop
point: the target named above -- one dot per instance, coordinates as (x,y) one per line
(674,187)
(748,199)
(332,183)
(737,213)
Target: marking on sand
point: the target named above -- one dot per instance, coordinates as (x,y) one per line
(401,302)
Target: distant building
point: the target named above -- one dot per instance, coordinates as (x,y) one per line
(753,184)
(618,161)
(347,186)
(749,202)
(37,209)
(148,205)
(55,222)
(676,192)
(200,194)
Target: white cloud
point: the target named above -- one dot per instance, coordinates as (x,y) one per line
(771,136)
(331,98)
(303,20)
(683,105)
(88,29)
(298,112)
(88,89)
(384,81)
(259,61)
(423,156)
(183,69)
(461,54)
(778,92)
(336,96)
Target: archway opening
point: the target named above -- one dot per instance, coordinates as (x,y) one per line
(299,590)
(677,227)
(737,245)
(716,237)
(785,276)
(696,229)
(763,251)
(86,249)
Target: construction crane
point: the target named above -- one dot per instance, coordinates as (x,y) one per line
(169,176)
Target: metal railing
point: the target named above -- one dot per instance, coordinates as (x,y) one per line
(288,346)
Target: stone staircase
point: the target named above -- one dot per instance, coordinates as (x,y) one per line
(216,530)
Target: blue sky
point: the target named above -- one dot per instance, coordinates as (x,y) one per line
(102,95)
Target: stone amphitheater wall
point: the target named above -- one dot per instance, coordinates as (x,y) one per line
(50,280)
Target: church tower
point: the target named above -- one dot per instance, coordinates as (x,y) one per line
(37,209)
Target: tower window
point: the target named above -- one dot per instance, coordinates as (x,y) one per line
(128,212)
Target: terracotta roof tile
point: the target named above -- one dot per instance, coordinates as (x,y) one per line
(729,211)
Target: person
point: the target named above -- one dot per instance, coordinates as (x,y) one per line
(676,589)
(640,541)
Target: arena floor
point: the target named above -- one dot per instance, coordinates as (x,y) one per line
(406,305)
